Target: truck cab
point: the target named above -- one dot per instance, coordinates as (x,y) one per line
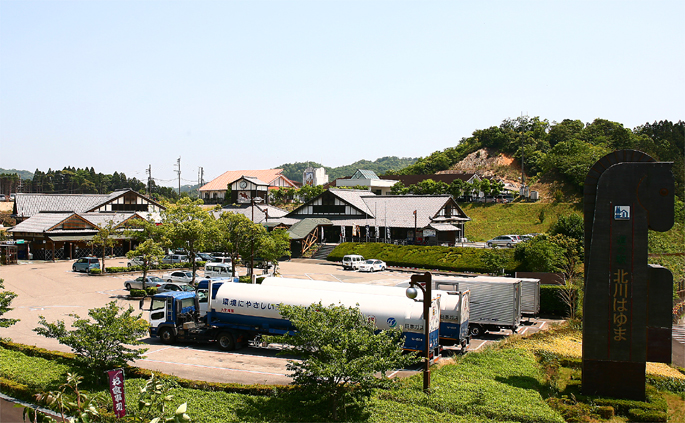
(169,311)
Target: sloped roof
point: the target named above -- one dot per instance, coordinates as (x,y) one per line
(40,222)
(301,229)
(30,204)
(221,183)
(354,197)
(398,210)
(364,174)
(255,180)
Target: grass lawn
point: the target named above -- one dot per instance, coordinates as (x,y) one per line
(523,379)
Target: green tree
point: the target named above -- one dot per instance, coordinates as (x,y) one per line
(100,344)
(341,357)
(104,239)
(233,235)
(571,226)
(494,261)
(6,298)
(188,226)
(273,246)
(150,252)
(539,254)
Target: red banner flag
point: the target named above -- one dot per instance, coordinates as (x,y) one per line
(116,388)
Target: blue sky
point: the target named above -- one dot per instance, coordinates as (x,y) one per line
(227,85)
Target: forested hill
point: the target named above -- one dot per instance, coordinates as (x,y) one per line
(380,166)
(566,149)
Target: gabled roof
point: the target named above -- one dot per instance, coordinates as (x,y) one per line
(29,204)
(354,197)
(221,183)
(398,210)
(364,174)
(254,180)
(41,222)
(44,222)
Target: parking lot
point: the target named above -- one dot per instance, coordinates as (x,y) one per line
(54,291)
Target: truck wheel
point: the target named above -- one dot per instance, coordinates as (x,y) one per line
(167,336)
(476,330)
(226,341)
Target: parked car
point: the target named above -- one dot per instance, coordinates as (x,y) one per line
(175,258)
(220,259)
(174,286)
(372,265)
(150,281)
(86,264)
(352,261)
(138,261)
(2,197)
(181,276)
(204,257)
(503,241)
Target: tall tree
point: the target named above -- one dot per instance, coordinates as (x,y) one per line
(187,226)
(105,238)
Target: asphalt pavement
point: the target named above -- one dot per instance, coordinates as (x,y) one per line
(54,291)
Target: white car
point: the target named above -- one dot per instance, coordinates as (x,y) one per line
(180,276)
(372,265)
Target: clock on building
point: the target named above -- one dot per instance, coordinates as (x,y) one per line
(243,184)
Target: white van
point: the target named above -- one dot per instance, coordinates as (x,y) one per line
(352,261)
(219,270)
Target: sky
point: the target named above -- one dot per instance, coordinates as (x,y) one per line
(233,85)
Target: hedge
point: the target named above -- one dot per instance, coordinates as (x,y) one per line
(456,259)
(121,269)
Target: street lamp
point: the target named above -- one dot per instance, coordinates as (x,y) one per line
(253,201)
(424,283)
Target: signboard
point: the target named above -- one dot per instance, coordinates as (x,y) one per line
(116,389)
(429,232)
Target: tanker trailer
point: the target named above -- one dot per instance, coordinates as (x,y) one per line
(239,313)
(454,305)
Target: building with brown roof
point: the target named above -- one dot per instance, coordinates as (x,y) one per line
(214,192)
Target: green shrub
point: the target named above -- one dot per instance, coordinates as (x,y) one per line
(95,271)
(137,293)
(119,269)
(425,257)
(151,290)
(550,301)
(640,415)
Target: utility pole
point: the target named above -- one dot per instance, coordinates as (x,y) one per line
(178,163)
(149,180)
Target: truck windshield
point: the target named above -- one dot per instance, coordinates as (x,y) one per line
(157,305)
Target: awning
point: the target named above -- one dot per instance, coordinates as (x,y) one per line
(443,227)
(60,238)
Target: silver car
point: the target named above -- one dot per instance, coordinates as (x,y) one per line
(150,281)
(504,241)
